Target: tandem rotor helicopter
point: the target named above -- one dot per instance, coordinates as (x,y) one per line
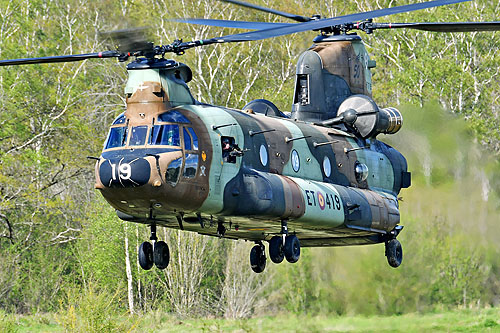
(316,177)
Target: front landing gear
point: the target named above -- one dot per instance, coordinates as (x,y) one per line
(146,255)
(157,254)
(161,255)
(258,258)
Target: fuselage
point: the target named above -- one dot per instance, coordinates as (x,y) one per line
(171,161)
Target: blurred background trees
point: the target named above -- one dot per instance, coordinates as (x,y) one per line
(59,238)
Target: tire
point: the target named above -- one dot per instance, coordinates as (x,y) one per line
(292,249)
(257,259)
(146,255)
(161,255)
(276,249)
(394,252)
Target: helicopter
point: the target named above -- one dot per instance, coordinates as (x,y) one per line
(315,177)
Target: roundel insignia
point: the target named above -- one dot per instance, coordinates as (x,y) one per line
(321,200)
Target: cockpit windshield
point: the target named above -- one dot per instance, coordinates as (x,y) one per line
(138,135)
(165,135)
(170,128)
(117,137)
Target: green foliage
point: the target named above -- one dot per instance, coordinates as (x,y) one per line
(62,248)
(7,323)
(92,310)
(452,321)
(100,250)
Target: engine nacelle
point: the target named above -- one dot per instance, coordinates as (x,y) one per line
(370,120)
(391,120)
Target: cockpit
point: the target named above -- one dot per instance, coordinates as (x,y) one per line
(169,131)
(165,130)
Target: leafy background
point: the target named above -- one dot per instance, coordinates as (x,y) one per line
(63,250)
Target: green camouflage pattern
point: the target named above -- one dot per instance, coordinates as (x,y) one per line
(330,186)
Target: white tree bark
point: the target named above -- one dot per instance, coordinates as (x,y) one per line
(128,269)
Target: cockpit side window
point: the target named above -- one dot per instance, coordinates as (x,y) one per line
(187,139)
(173,117)
(173,171)
(117,137)
(191,165)
(138,136)
(165,135)
(194,137)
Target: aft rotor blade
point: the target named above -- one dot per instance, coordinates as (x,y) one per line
(233,24)
(298,18)
(65,58)
(331,22)
(442,27)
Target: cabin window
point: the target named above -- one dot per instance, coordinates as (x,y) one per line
(138,136)
(229,149)
(165,135)
(295,159)
(327,167)
(117,137)
(173,171)
(191,165)
(173,117)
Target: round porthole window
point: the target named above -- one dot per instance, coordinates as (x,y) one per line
(263,155)
(327,166)
(295,161)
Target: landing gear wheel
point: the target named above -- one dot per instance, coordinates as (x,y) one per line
(276,249)
(258,258)
(161,255)
(146,255)
(394,252)
(292,249)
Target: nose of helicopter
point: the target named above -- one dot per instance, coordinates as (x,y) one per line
(123,171)
(131,181)
(133,169)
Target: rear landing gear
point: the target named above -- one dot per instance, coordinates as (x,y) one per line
(280,247)
(393,248)
(292,249)
(394,252)
(276,249)
(157,254)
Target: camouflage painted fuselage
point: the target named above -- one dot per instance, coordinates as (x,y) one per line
(284,169)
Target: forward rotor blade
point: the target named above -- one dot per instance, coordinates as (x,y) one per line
(65,58)
(330,22)
(130,40)
(298,18)
(442,27)
(233,24)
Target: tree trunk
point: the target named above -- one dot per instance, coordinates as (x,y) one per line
(130,285)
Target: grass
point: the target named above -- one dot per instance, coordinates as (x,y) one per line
(484,320)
